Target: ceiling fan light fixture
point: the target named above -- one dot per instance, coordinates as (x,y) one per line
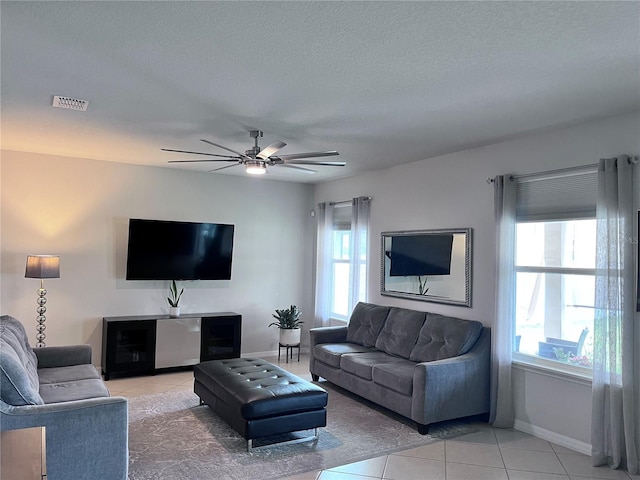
(255,160)
(257,168)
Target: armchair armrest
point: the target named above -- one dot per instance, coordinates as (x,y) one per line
(560,341)
(328,335)
(85,438)
(546,349)
(49,357)
(25,416)
(453,387)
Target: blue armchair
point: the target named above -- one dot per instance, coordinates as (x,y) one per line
(546,349)
(58,388)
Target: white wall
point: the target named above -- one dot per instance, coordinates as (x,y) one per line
(80,208)
(451,191)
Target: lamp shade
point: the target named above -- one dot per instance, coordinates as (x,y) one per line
(42,266)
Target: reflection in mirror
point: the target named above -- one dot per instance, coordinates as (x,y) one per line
(427,265)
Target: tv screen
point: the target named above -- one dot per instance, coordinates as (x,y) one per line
(164,250)
(420,255)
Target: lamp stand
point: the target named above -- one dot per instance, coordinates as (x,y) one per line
(41,318)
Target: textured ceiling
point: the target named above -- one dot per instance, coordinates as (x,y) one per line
(382,82)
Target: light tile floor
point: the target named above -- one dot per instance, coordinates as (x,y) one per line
(488,454)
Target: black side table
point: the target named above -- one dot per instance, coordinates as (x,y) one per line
(289,351)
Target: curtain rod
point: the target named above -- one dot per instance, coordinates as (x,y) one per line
(632,159)
(345,202)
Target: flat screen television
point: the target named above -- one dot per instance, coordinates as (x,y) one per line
(166,250)
(412,255)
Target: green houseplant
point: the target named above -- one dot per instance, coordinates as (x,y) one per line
(288,324)
(174,299)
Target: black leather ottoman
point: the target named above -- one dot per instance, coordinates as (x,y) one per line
(259,399)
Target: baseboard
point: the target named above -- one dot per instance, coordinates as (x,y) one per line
(554,437)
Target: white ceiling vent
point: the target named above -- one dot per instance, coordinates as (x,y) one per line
(69,102)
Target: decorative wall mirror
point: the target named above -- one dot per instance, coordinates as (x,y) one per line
(428,265)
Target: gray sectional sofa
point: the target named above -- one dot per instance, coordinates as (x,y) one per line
(58,388)
(424,366)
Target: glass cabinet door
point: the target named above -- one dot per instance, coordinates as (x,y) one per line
(131,346)
(220,337)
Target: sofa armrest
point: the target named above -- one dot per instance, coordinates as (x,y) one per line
(328,335)
(321,335)
(453,387)
(50,357)
(84,438)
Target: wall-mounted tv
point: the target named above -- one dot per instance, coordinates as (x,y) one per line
(166,250)
(412,255)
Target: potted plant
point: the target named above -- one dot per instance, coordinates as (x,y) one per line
(174,299)
(288,324)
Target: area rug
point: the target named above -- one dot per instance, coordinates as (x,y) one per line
(172,437)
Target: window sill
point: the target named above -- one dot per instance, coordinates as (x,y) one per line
(337,322)
(560,371)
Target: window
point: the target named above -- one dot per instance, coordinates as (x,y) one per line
(342,265)
(554,264)
(342,258)
(555,287)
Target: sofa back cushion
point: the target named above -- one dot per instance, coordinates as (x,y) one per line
(365,323)
(400,331)
(445,337)
(19,383)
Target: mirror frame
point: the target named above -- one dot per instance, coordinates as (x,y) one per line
(464,302)
(637,241)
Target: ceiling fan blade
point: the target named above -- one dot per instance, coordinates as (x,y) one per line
(231,159)
(305,170)
(270,150)
(293,156)
(222,168)
(312,162)
(225,148)
(196,153)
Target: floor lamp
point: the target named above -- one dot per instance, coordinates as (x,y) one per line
(42,266)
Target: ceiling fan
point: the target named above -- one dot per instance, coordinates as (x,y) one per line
(256,160)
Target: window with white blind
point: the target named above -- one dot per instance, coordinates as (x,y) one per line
(340,261)
(555,250)
(342,252)
(341,276)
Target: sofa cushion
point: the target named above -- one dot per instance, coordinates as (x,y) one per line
(67,374)
(400,331)
(361,364)
(330,353)
(18,365)
(365,323)
(397,376)
(74,390)
(445,337)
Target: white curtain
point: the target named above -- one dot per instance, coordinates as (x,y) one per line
(323,264)
(502,335)
(359,260)
(613,416)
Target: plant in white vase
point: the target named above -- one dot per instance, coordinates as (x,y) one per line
(288,323)
(174,299)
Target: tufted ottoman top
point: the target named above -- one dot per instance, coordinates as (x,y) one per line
(259,388)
